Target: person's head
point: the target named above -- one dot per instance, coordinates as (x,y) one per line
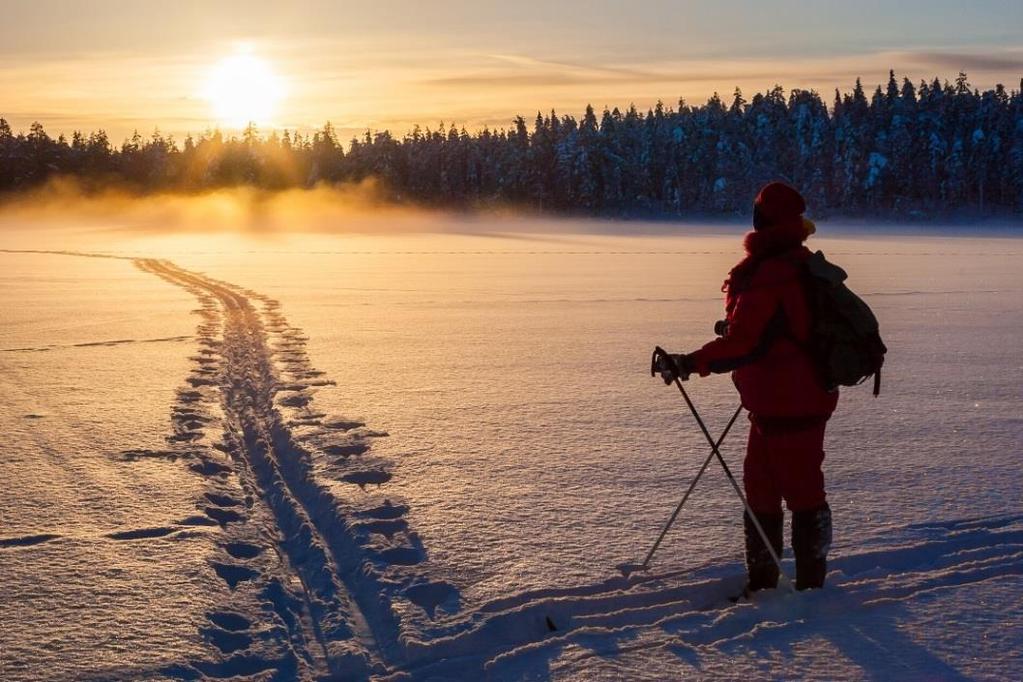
(780,206)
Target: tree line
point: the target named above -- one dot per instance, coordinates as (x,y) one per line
(932,148)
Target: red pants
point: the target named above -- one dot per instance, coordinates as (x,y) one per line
(783,462)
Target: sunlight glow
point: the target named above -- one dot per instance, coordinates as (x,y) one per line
(241,89)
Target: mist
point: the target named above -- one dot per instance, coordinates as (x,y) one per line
(346,208)
(64,206)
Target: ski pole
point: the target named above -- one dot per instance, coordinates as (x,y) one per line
(660,352)
(689,491)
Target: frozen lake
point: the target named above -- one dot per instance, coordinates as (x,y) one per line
(509,372)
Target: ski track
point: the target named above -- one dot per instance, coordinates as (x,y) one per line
(328,581)
(348,564)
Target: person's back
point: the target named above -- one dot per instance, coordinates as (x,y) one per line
(764,343)
(768,326)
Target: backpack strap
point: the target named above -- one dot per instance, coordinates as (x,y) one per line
(777,328)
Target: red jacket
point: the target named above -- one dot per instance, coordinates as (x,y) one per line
(768,320)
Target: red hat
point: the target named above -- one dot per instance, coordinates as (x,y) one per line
(777,204)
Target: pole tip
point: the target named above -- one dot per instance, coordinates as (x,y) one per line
(628,569)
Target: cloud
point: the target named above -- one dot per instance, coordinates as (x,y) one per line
(1009,61)
(525,71)
(517,72)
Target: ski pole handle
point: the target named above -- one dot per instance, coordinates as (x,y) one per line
(668,360)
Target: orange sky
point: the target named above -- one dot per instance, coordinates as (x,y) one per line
(120,66)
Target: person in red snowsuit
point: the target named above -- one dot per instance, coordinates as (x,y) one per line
(763,345)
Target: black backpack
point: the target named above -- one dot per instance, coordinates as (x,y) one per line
(845,341)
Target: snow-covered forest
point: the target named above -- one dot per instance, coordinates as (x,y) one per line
(931,148)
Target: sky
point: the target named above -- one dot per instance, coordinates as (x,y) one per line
(121,66)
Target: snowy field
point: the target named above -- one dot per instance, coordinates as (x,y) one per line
(410,456)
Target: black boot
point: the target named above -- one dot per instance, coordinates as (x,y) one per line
(760,567)
(811,540)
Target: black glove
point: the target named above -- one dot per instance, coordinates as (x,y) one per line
(674,366)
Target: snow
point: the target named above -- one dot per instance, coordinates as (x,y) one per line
(876,163)
(410,455)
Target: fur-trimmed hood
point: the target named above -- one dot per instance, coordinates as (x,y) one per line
(761,245)
(766,243)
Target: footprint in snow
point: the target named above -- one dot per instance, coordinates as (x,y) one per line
(229,620)
(385,511)
(137,455)
(243,550)
(222,500)
(428,596)
(233,574)
(401,556)
(343,424)
(142,533)
(208,467)
(386,527)
(185,437)
(295,423)
(227,642)
(347,450)
(364,478)
(222,516)
(27,540)
(296,400)
(192,423)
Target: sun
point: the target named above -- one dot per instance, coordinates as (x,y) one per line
(243,89)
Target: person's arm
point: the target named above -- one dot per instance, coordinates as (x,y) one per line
(744,341)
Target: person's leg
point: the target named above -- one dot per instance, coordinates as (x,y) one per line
(811,540)
(765,500)
(801,480)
